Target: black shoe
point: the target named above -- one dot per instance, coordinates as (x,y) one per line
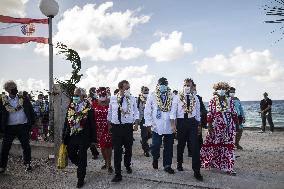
(2,170)
(80,183)
(169,170)
(146,154)
(116,178)
(179,167)
(110,170)
(155,164)
(28,168)
(128,170)
(198,176)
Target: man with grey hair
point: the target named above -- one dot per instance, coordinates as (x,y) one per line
(79,132)
(17,117)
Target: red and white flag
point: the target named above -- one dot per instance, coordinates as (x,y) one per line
(20,30)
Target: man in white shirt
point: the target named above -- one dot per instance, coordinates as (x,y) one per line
(185,113)
(157,118)
(16,119)
(145,134)
(122,114)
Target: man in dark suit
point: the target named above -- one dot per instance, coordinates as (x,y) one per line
(79,132)
(203,121)
(17,118)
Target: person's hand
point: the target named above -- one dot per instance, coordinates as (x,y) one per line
(210,128)
(174,129)
(149,130)
(199,131)
(109,127)
(95,144)
(135,127)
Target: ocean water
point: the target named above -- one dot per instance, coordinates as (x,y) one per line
(253,119)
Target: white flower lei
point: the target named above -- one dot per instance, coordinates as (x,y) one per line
(218,105)
(120,106)
(166,106)
(9,107)
(192,103)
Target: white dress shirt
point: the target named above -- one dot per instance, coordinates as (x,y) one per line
(127,118)
(18,117)
(160,125)
(177,110)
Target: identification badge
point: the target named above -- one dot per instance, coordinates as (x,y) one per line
(159,114)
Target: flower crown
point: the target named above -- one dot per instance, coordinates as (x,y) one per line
(102,91)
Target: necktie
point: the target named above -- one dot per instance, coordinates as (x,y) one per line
(119,111)
(187,105)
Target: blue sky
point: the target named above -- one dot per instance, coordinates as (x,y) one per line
(230,43)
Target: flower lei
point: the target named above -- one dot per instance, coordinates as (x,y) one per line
(120,106)
(74,118)
(9,107)
(186,109)
(166,106)
(219,108)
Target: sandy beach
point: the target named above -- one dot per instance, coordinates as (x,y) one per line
(259,165)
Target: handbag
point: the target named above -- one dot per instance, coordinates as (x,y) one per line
(62,160)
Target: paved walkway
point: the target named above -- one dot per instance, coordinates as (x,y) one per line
(260,165)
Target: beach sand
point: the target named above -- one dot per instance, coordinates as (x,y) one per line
(260,165)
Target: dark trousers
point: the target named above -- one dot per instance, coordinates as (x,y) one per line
(94,150)
(22,133)
(145,136)
(168,140)
(77,153)
(188,128)
(267,116)
(122,135)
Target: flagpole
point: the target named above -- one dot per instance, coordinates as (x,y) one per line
(50,9)
(51,115)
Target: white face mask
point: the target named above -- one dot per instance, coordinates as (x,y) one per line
(145,95)
(127,92)
(186,90)
(102,98)
(232,94)
(221,92)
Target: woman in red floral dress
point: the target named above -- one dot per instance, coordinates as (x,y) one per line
(218,148)
(103,135)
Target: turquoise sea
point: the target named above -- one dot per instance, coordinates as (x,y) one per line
(253,119)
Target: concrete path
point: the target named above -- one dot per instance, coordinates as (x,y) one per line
(260,166)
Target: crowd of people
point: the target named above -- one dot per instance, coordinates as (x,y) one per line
(105,121)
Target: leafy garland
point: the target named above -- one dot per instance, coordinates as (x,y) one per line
(192,103)
(9,107)
(120,106)
(74,118)
(71,55)
(219,108)
(166,106)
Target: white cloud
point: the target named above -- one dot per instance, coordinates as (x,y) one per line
(13,7)
(169,47)
(260,65)
(29,85)
(101,76)
(97,76)
(86,30)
